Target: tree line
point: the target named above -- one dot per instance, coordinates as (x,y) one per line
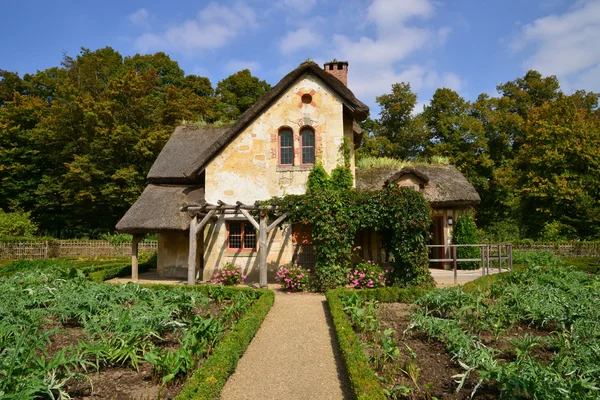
(77,141)
(532,152)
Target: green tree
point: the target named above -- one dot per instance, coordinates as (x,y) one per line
(465,232)
(397,133)
(240,91)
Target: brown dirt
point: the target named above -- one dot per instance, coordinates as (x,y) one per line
(122,383)
(437,368)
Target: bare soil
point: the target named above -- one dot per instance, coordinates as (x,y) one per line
(436,364)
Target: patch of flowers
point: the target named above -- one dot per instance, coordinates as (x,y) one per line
(293,278)
(228,275)
(367,275)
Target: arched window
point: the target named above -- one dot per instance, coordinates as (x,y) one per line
(286,147)
(307,138)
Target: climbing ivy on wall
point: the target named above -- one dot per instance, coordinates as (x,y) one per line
(401,216)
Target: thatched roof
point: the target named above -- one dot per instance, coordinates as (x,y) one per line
(157,209)
(187,145)
(445,185)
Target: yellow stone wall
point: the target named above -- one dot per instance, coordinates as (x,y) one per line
(279,244)
(247,169)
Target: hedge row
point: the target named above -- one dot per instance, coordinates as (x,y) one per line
(208,381)
(363,380)
(117,270)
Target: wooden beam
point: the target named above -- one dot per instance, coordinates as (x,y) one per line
(135,241)
(204,221)
(277,222)
(250,219)
(228,207)
(191,278)
(262,250)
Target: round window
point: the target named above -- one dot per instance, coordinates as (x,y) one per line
(306,98)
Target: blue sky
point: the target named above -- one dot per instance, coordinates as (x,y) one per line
(467,45)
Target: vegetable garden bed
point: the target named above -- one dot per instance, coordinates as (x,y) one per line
(62,336)
(533,333)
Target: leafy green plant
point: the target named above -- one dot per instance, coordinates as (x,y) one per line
(465,232)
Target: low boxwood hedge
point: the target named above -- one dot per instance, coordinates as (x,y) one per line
(363,380)
(208,381)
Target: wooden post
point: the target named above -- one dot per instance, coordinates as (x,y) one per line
(134,256)
(454,262)
(499,259)
(262,250)
(510,262)
(45,249)
(191,278)
(482,255)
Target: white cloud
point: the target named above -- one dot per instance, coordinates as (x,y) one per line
(215,26)
(140,17)
(299,39)
(302,6)
(367,85)
(238,65)
(379,60)
(567,45)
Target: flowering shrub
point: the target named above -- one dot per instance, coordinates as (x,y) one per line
(367,275)
(293,278)
(229,275)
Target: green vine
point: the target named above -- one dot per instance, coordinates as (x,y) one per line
(401,216)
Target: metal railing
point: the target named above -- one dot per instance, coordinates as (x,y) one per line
(489,253)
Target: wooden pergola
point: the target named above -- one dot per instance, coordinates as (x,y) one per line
(201,215)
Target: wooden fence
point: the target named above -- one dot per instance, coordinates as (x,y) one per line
(489,254)
(567,249)
(69,248)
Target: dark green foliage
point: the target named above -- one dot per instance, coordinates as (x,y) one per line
(16,224)
(77,141)
(318,179)
(341,178)
(465,232)
(400,215)
(209,379)
(530,152)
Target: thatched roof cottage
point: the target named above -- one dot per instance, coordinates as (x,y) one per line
(449,193)
(206,180)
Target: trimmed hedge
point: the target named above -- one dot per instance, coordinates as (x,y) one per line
(208,381)
(363,380)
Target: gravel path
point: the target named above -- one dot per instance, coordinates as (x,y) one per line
(294,355)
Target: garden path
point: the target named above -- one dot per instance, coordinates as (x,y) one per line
(294,355)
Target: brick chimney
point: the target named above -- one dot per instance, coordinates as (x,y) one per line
(339,69)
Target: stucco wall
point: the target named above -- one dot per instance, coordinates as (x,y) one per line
(279,244)
(247,169)
(173,255)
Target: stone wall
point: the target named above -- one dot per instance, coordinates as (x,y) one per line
(216,253)
(247,169)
